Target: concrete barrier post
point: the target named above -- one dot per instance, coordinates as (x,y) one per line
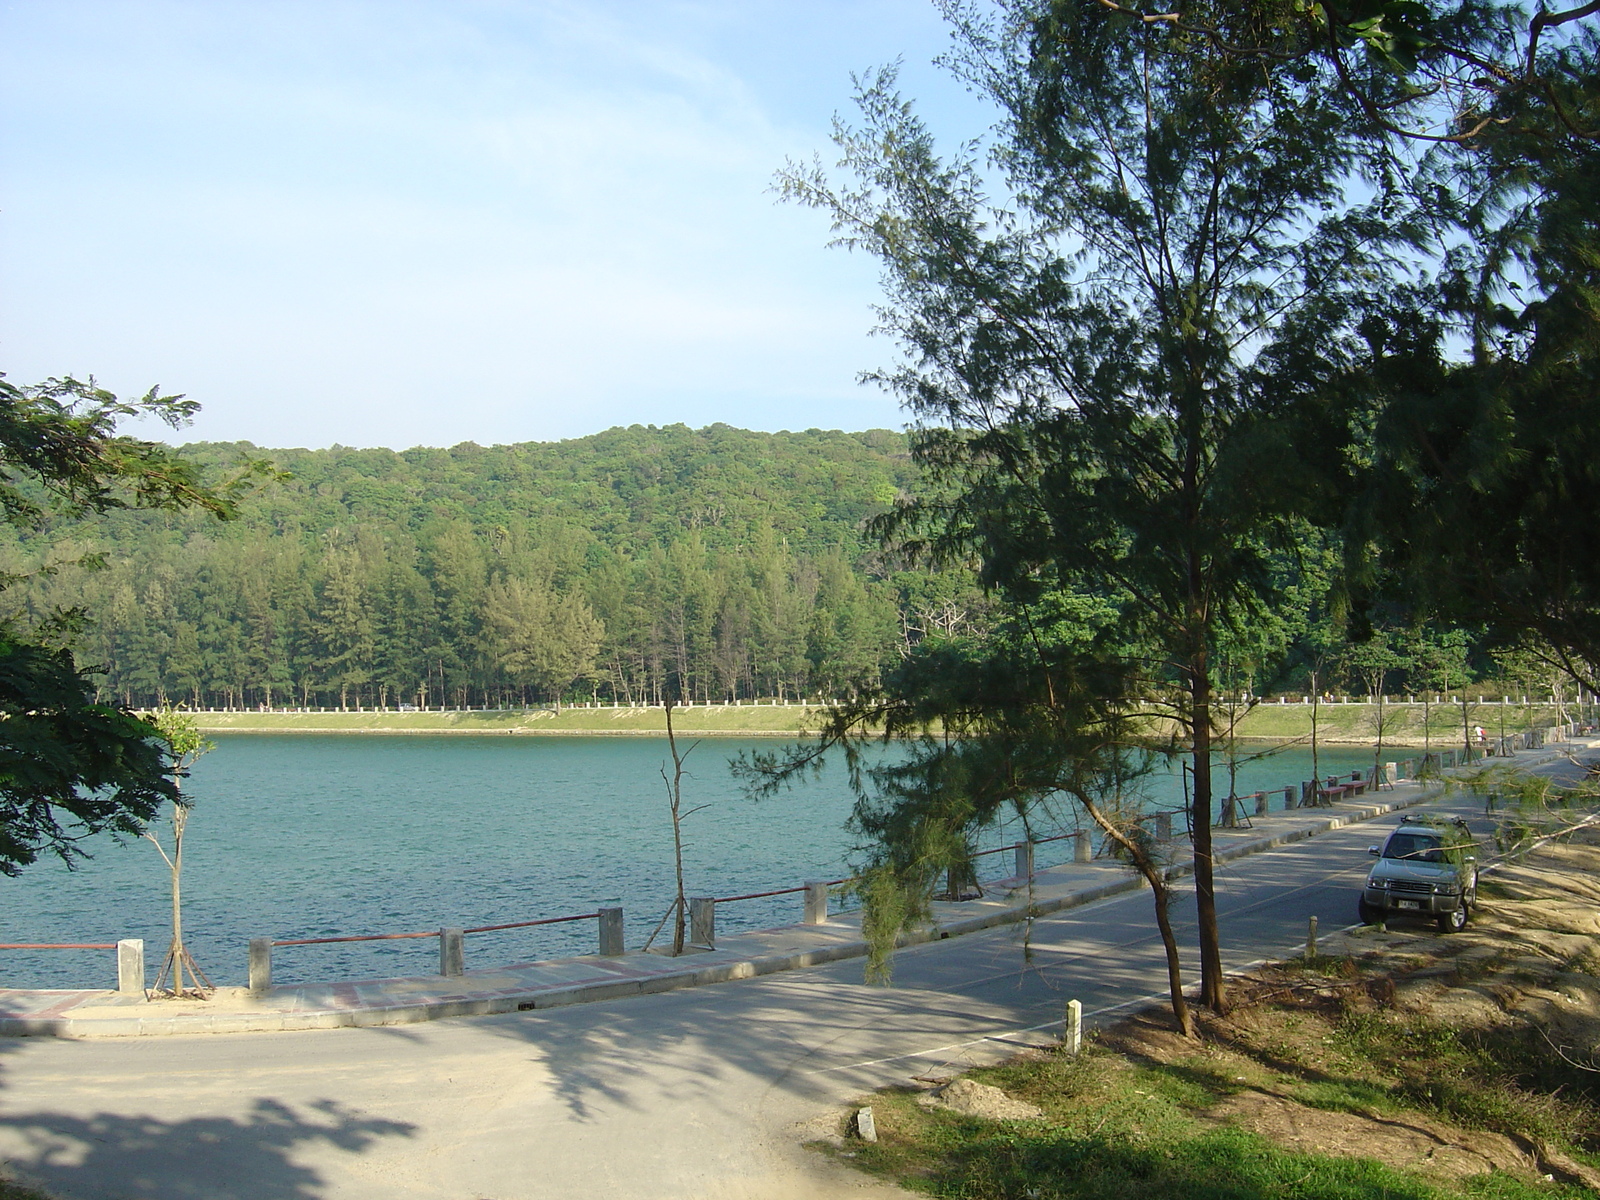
(1391,773)
(1082,851)
(452,952)
(1311,938)
(1308,794)
(866,1127)
(1263,803)
(1024,859)
(260,964)
(1288,797)
(130,966)
(611,932)
(1164,823)
(703,921)
(1072,1039)
(816,902)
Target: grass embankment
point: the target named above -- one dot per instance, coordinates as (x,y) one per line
(727,720)
(1403,1064)
(1338,724)
(1357,724)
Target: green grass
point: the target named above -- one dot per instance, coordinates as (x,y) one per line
(1402,722)
(733,720)
(1337,723)
(1114,1130)
(1503,1079)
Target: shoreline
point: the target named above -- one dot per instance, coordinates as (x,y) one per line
(1254,741)
(1343,726)
(383,731)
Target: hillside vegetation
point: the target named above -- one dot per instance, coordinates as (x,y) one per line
(729,560)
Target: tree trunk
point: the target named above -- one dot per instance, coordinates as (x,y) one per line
(1161,892)
(1316,708)
(1212,993)
(179,819)
(1377,754)
(675,800)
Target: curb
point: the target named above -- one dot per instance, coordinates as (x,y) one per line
(409,1014)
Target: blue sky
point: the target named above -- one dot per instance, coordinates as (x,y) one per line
(411,222)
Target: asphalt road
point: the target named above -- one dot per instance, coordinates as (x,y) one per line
(691,1094)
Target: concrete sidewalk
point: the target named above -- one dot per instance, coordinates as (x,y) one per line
(553,983)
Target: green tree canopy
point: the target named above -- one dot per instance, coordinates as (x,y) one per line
(1123,361)
(70,766)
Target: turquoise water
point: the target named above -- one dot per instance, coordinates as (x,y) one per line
(316,836)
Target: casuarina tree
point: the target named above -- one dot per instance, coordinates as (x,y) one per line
(185,744)
(1119,325)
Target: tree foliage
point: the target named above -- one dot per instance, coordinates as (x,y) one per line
(732,561)
(1123,361)
(70,765)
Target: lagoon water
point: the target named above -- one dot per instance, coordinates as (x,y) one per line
(315,836)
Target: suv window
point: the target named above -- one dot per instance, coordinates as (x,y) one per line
(1417,847)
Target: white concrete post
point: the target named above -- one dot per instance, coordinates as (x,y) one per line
(1263,803)
(1072,1038)
(1024,855)
(130,966)
(703,921)
(1311,938)
(816,902)
(1082,851)
(866,1127)
(260,964)
(611,932)
(452,952)
(1391,773)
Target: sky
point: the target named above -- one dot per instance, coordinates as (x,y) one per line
(419,222)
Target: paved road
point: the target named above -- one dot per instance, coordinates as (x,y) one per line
(691,1094)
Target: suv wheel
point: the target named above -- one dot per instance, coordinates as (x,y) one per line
(1367,914)
(1454,922)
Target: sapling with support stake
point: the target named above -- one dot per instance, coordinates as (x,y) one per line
(185,746)
(674,784)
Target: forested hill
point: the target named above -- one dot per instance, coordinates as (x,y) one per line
(731,560)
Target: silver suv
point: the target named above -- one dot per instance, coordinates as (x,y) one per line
(1427,867)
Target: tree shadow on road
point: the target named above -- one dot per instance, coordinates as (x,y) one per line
(110,1156)
(801,1034)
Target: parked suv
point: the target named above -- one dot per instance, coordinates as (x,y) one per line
(1427,867)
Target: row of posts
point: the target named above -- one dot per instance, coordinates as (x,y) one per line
(1081,852)
(452,942)
(702,918)
(703,909)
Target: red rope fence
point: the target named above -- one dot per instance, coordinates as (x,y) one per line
(360,937)
(594,916)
